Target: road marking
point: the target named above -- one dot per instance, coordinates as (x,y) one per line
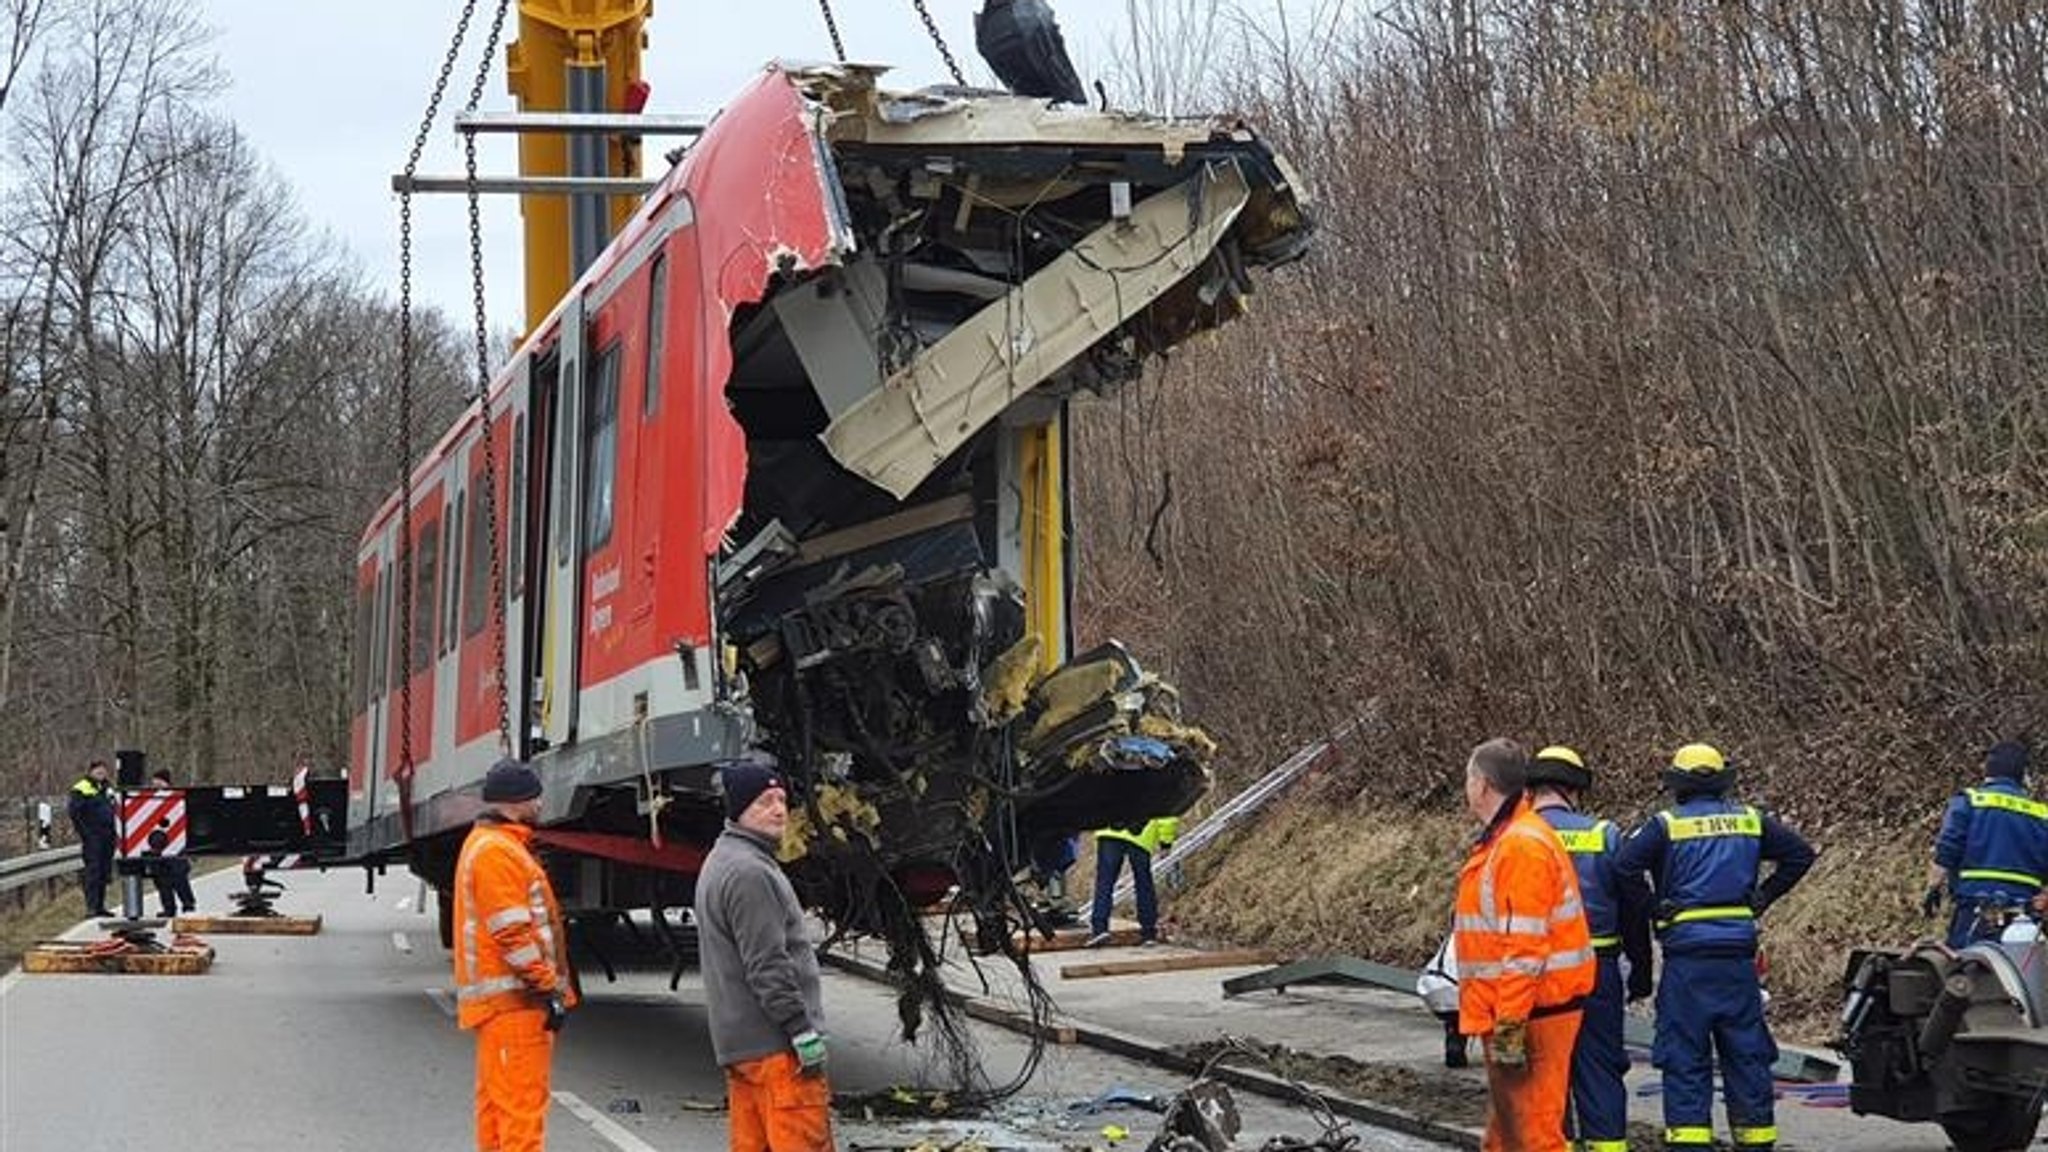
(443,1001)
(614,1134)
(402,942)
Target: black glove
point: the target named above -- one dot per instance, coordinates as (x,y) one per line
(1930,902)
(558,1011)
(1641,982)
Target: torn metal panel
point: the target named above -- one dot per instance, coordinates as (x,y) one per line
(896,435)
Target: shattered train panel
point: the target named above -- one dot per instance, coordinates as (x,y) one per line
(1001,256)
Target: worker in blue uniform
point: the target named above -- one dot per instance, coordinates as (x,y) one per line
(91,808)
(1618,916)
(1992,852)
(1705,857)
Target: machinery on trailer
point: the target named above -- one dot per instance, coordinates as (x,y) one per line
(1952,1037)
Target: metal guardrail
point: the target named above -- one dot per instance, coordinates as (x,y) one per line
(55,864)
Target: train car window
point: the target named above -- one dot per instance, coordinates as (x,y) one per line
(515,544)
(601,449)
(657,327)
(476,591)
(451,588)
(423,598)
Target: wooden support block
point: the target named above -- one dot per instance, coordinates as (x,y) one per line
(248,925)
(80,957)
(1181,963)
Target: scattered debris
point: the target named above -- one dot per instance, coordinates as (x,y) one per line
(623,1106)
(1202,1118)
(905,1103)
(1121,1097)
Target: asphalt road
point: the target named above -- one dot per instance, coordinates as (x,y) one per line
(346,1041)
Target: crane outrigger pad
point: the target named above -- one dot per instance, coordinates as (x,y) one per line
(131,953)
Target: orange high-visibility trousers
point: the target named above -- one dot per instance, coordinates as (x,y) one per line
(774,1107)
(512,1054)
(1526,1112)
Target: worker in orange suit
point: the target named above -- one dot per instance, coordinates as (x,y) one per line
(1525,957)
(512,982)
(761,988)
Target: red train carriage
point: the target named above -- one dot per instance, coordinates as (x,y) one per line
(785,469)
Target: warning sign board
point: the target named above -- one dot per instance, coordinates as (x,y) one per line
(148,810)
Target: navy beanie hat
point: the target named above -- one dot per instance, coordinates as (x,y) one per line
(743,781)
(2008,759)
(509,782)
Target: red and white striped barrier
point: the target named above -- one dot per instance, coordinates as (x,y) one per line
(148,810)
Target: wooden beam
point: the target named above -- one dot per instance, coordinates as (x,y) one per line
(247,925)
(1182,963)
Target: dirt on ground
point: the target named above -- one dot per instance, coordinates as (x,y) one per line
(1438,1097)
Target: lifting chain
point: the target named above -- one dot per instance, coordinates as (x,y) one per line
(932,27)
(403,597)
(832,30)
(485,504)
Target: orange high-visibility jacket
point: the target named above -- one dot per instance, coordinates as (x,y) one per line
(510,950)
(1522,941)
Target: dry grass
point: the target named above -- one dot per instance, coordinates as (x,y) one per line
(44,918)
(1318,876)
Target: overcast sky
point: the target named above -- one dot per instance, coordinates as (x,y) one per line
(331,92)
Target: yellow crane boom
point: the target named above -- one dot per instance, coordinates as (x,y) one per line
(574,56)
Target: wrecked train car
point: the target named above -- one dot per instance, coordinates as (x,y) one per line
(787,469)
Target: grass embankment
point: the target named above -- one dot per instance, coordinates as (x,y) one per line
(1319,876)
(45,918)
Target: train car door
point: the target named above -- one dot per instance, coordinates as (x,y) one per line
(560,610)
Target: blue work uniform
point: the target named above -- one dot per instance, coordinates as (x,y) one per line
(1704,856)
(1617,915)
(1994,846)
(91,808)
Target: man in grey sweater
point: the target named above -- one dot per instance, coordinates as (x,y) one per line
(761,974)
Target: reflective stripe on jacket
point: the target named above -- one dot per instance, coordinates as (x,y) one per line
(510,950)
(1591,844)
(1521,931)
(1706,855)
(1710,872)
(1156,834)
(1994,842)
(91,808)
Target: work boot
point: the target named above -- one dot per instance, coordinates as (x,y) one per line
(1099,940)
(1454,1050)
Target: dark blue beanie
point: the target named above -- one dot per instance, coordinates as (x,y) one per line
(509,782)
(2008,759)
(745,779)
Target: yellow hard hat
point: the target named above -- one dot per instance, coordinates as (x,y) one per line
(1704,759)
(1558,764)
